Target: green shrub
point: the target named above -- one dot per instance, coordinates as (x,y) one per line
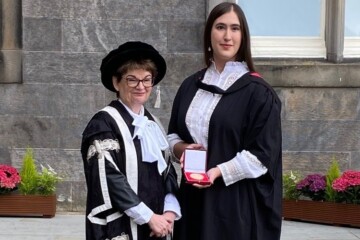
(47,181)
(28,174)
(290,180)
(332,174)
(34,182)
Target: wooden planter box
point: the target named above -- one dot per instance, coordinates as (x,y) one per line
(322,212)
(27,205)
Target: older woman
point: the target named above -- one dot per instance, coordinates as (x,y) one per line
(131,182)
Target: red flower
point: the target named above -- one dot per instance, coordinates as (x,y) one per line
(9,178)
(348,179)
(347,187)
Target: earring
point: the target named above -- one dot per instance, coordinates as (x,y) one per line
(209,49)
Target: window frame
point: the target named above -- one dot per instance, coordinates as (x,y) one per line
(331,45)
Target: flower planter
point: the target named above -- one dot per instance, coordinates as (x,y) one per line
(17,205)
(322,212)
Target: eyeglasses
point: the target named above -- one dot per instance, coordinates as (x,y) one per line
(133,82)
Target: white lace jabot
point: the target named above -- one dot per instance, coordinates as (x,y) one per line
(151,138)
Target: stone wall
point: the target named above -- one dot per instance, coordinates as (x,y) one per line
(63,45)
(64,41)
(320,114)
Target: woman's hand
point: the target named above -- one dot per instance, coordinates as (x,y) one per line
(170,217)
(160,226)
(213,174)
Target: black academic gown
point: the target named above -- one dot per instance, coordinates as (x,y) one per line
(152,187)
(246,118)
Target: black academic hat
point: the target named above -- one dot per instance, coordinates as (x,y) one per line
(128,51)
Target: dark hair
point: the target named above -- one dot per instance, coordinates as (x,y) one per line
(244,53)
(134,64)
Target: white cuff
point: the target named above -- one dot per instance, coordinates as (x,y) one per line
(172,205)
(173,139)
(243,165)
(140,213)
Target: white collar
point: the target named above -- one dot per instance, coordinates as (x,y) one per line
(152,139)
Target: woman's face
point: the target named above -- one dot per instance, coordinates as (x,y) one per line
(134,96)
(226,38)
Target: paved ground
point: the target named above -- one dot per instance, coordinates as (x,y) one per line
(70,226)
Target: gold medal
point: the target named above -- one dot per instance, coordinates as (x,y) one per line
(197,176)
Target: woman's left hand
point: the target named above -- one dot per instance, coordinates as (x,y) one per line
(170,217)
(213,174)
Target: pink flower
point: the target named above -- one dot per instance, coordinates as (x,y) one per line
(347,187)
(348,179)
(9,178)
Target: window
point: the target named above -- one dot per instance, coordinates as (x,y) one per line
(303,29)
(285,28)
(352,29)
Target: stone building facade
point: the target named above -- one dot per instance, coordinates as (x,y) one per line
(50,86)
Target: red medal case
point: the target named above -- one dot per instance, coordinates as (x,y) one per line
(195,166)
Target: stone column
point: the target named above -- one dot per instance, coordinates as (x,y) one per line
(11,44)
(334,30)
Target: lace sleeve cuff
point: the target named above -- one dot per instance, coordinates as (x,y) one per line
(243,165)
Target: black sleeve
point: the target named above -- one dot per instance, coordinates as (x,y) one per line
(105,181)
(170,179)
(264,138)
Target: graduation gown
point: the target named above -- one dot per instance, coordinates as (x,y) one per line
(119,179)
(247,117)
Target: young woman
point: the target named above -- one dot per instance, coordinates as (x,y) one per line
(231,112)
